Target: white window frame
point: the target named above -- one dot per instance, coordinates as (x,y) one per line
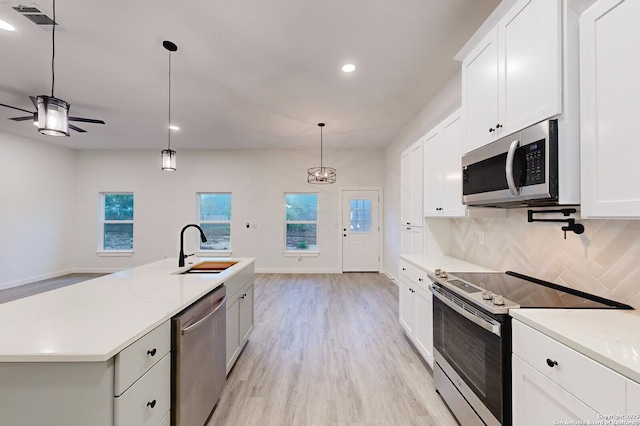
(102,222)
(200,222)
(302,253)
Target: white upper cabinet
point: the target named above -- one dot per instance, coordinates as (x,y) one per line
(443,169)
(609,105)
(411,185)
(513,78)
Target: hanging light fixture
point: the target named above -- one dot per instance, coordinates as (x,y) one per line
(53,113)
(321,174)
(168,155)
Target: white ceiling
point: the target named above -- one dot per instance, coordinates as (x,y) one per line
(248,74)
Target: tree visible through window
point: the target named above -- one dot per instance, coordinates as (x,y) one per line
(214,215)
(116,221)
(301,223)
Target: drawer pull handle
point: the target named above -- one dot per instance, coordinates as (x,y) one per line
(152,352)
(151,404)
(551,363)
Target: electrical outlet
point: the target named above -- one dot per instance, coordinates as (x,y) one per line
(481,238)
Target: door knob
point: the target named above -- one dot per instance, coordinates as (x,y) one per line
(344,235)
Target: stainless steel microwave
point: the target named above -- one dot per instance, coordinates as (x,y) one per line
(515,171)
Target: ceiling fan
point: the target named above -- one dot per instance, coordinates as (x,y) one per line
(49,100)
(52,114)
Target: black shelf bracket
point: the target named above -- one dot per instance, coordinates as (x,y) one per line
(571,222)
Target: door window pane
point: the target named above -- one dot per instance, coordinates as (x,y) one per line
(360,215)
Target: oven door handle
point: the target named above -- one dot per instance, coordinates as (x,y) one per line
(508,167)
(493,328)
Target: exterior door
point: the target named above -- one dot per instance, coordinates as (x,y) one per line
(360,231)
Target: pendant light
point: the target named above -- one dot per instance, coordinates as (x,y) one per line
(321,175)
(168,155)
(53,113)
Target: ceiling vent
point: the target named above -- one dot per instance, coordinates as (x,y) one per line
(37,16)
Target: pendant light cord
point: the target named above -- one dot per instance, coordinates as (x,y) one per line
(169,128)
(321,149)
(53,54)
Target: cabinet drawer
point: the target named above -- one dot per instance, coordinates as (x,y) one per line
(416,275)
(236,282)
(148,400)
(134,360)
(594,384)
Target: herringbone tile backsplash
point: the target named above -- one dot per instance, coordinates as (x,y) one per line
(604,260)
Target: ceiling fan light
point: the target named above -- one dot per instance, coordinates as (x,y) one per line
(53,116)
(168,160)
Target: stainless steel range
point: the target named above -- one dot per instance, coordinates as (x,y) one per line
(472,336)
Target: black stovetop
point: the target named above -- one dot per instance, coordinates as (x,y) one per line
(529,292)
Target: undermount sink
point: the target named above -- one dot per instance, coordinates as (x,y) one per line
(210,267)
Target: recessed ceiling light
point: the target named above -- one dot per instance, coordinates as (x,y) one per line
(348,68)
(172,127)
(6,26)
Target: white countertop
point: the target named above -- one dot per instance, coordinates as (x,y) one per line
(94,320)
(611,337)
(446,263)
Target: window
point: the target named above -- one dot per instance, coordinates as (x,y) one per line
(214,216)
(116,221)
(360,215)
(301,223)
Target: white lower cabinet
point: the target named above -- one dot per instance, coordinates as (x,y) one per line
(552,382)
(148,400)
(240,314)
(416,309)
(537,400)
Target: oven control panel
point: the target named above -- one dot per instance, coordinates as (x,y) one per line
(476,294)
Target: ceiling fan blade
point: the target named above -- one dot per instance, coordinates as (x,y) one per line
(22,118)
(86,120)
(19,109)
(34,100)
(77,129)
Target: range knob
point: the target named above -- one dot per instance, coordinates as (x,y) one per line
(438,271)
(498,300)
(487,295)
(443,274)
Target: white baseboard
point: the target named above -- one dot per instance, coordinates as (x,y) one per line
(296,271)
(391,277)
(97,270)
(30,280)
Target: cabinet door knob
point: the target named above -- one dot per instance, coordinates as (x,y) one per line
(551,363)
(151,404)
(491,129)
(420,279)
(404,269)
(151,352)
(498,125)
(243,296)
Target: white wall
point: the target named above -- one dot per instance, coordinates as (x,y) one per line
(444,103)
(37,188)
(165,202)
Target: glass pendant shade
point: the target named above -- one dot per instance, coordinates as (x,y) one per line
(53,116)
(168,160)
(322,174)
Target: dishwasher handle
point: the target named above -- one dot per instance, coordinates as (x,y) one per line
(204,319)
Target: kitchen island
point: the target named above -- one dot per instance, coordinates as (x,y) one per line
(63,353)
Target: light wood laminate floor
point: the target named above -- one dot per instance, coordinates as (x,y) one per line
(327,349)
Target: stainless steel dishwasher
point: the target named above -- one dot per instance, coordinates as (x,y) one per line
(198,363)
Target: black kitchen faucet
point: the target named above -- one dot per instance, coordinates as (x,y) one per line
(182,256)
